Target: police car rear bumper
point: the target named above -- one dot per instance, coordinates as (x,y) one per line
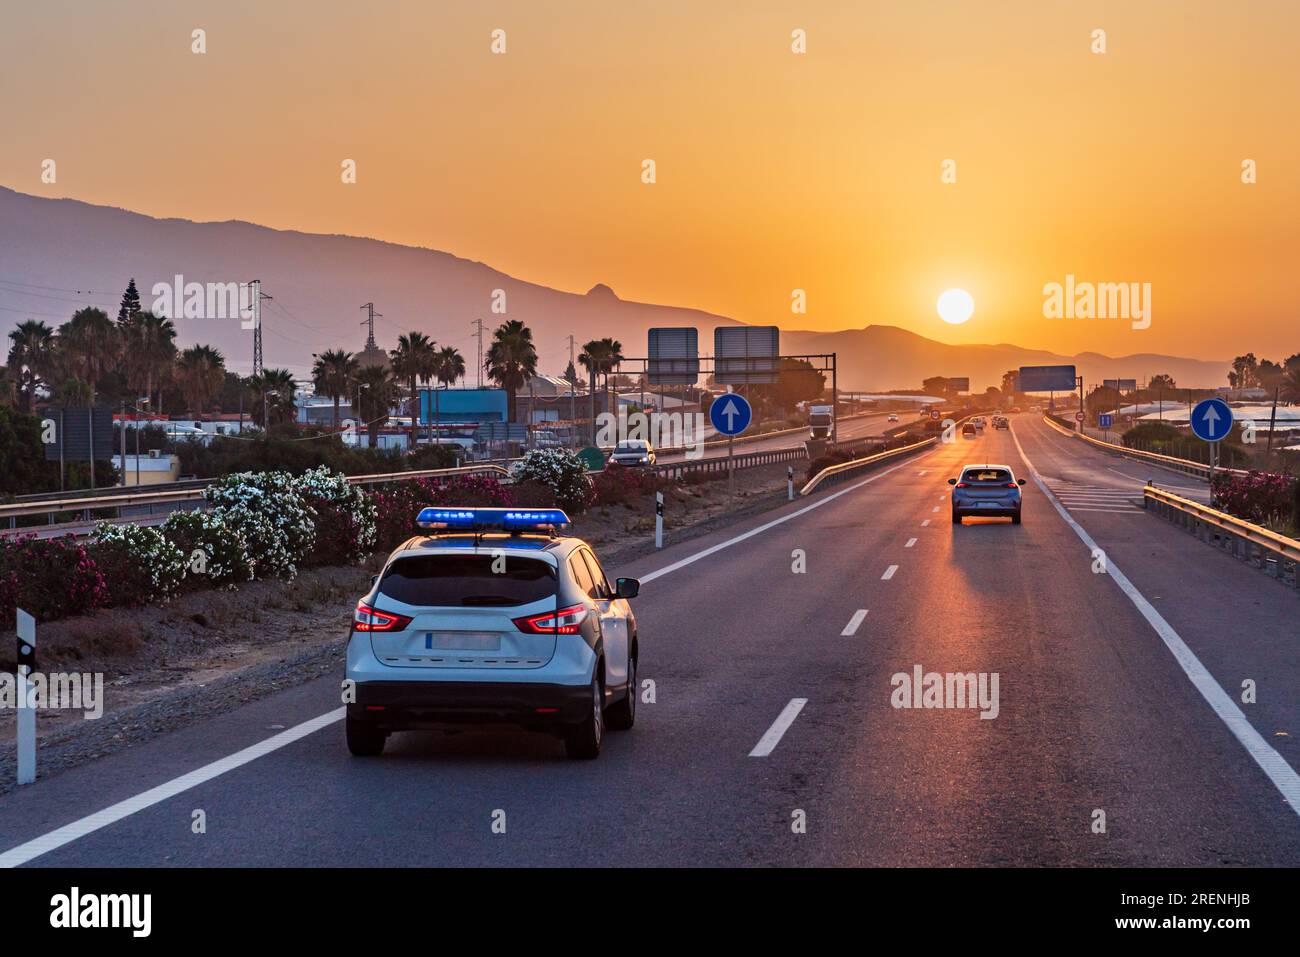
(397,705)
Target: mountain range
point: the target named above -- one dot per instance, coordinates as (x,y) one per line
(57,255)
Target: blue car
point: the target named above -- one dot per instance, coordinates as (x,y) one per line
(991,490)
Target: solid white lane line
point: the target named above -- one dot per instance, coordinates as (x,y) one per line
(1283,776)
(925,523)
(889,573)
(768,742)
(854,623)
(910,543)
(110,815)
(1112,511)
(744,536)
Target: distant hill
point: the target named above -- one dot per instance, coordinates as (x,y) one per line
(52,248)
(887,357)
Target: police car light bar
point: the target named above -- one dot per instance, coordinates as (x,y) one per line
(482,519)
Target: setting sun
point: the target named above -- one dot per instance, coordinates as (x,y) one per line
(955,306)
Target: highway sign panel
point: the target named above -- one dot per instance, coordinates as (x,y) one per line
(959,383)
(1121,385)
(1212,420)
(674,356)
(1104,420)
(746,354)
(76,430)
(730,414)
(1046,379)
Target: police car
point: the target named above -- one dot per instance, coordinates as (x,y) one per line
(493,618)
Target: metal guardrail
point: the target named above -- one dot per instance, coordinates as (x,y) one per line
(148,501)
(1186,466)
(718,464)
(834,471)
(1266,549)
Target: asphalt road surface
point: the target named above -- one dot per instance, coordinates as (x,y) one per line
(1119,694)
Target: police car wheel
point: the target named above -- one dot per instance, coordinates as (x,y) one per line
(364,739)
(583,739)
(622,715)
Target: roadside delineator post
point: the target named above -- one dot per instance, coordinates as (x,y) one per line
(26,718)
(789,482)
(659,519)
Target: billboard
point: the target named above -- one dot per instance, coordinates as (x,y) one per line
(674,356)
(1121,385)
(959,384)
(72,433)
(746,355)
(463,405)
(1047,379)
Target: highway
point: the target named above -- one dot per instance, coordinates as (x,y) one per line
(1119,692)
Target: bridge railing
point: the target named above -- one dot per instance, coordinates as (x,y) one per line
(1264,548)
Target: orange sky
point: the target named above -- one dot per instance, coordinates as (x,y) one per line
(776,171)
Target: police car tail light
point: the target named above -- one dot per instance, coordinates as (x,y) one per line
(562,622)
(368,619)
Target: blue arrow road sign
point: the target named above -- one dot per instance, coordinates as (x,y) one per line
(1212,420)
(730,414)
(1104,420)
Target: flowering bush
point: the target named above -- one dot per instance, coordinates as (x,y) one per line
(619,485)
(345,518)
(562,472)
(1265,498)
(49,578)
(214,549)
(139,564)
(271,515)
(397,503)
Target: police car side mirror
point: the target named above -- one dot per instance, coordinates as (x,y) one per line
(952,481)
(627,587)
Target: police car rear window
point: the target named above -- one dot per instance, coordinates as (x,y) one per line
(987,475)
(468,581)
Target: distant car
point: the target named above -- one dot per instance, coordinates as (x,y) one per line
(979,422)
(1000,422)
(491,617)
(968,429)
(986,490)
(1016,410)
(893,417)
(633,452)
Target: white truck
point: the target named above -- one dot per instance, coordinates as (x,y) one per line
(820,420)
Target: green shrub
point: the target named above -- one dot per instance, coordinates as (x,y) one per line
(214,549)
(138,562)
(562,472)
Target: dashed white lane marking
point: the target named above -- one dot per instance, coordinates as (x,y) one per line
(935,509)
(110,815)
(923,472)
(1283,776)
(854,623)
(889,573)
(910,543)
(925,523)
(768,742)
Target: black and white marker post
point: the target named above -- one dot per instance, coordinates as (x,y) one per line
(26,712)
(789,482)
(659,519)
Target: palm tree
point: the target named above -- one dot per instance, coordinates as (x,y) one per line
(276,387)
(91,344)
(376,393)
(511,360)
(448,366)
(202,372)
(30,358)
(412,360)
(333,375)
(598,358)
(1289,385)
(149,349)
